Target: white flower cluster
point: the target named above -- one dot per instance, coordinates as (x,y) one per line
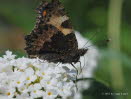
(25,78)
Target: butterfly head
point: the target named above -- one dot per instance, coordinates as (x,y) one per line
(76,55)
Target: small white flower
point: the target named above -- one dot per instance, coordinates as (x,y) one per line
(30,75)
(10,93)
(36,91)
(43,71)
(24,90)
(66,89)
(19,80)
(9,55)
(50,94)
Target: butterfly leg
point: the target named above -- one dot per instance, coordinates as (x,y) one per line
(80,67)
(75,68)
(58,64)
(76,75)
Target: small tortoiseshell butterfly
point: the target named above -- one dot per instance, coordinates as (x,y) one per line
(53,37)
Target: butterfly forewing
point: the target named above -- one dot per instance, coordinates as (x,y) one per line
(53,37)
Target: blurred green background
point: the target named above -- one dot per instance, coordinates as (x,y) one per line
(102,19)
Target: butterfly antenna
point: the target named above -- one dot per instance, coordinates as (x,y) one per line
(91,38)
(104,42)
(89,46)
(107,40)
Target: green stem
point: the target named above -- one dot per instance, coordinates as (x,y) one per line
(114,29)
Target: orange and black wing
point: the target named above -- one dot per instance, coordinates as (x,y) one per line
(53,32)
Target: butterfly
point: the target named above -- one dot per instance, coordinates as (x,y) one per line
(53,37)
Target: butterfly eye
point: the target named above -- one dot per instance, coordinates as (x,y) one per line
(44,13)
